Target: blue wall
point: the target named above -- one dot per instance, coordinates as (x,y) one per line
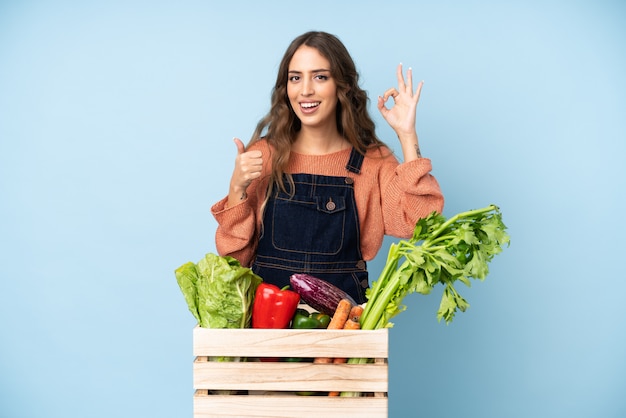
(116,121)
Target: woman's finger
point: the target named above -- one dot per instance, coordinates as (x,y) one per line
(390,92)
(401,84)
(240,146)
(409,76)
(418,91)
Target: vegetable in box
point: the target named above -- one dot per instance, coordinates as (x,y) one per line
(219,291)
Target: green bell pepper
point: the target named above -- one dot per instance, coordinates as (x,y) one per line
(302,319)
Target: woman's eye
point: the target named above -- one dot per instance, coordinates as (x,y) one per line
(321,77)
(294,78)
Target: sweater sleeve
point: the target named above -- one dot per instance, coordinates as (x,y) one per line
(238,225)
(408,192)
(236,230)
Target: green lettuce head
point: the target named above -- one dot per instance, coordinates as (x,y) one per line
(219,291)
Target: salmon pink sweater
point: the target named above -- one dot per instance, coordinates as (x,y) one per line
(390,198)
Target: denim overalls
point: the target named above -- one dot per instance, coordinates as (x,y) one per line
(315,231)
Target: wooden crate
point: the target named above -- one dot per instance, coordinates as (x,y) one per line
(267,389)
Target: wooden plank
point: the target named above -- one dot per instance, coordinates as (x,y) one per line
(282,406)
(290,343)
(285,376)
(265,389)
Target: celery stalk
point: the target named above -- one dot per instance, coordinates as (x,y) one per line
(459,248)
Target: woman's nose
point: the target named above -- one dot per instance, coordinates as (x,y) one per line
(307,87)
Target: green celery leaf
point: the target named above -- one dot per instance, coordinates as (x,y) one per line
(447,306)
(440,251)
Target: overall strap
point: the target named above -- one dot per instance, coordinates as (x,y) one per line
(355,161)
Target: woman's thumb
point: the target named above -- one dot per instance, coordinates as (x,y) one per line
(240,147)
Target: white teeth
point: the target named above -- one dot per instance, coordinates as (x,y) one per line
(309,105)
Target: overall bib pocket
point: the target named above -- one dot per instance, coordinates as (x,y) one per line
(301,223)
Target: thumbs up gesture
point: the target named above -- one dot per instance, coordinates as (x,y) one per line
(248,166)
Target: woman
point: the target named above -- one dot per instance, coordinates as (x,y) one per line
(315,190)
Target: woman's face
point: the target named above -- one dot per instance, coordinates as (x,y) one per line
(311,90)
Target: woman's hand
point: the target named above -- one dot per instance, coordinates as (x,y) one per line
(401,116)
(248,166)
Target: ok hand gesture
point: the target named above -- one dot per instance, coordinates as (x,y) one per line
(401,116)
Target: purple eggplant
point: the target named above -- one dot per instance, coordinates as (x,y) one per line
(317,293)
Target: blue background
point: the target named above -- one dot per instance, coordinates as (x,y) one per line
(116,126)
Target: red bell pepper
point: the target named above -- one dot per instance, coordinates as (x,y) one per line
(273,307)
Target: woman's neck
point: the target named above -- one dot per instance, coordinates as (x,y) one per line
(316,142)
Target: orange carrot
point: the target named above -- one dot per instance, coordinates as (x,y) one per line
(341,314)
(336,322)
(352,324)
(355,313)
(338,360)
(322,360)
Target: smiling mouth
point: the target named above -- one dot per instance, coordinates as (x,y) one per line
(309,105)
